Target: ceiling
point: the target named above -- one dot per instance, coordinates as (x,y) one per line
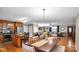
(35,14)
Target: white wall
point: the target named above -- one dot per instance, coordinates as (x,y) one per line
(56,23)
(25,28)
(77,34)
(35,28)
(28,29)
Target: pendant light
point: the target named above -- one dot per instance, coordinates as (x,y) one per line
(44,14)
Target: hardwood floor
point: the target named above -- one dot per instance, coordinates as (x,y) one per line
(9,47)
(65,41)
(68,43)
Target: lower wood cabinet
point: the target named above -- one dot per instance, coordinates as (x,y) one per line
(16,40)
(1,38)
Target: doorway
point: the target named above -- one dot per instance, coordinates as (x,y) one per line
(70,31)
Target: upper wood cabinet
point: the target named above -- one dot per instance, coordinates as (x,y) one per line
(18,24)
(12,25)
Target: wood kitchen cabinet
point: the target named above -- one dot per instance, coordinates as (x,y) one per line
(1,39)
(11,25)
(19,24)
(16,40)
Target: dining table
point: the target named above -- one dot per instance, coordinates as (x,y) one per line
(45,45)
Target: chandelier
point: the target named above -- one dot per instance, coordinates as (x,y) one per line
(44,14)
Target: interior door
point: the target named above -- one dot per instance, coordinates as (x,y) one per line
(70,31)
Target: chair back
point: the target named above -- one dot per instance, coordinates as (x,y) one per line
(27,48)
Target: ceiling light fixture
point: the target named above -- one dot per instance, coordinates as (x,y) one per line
(24,20)
(44,14)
